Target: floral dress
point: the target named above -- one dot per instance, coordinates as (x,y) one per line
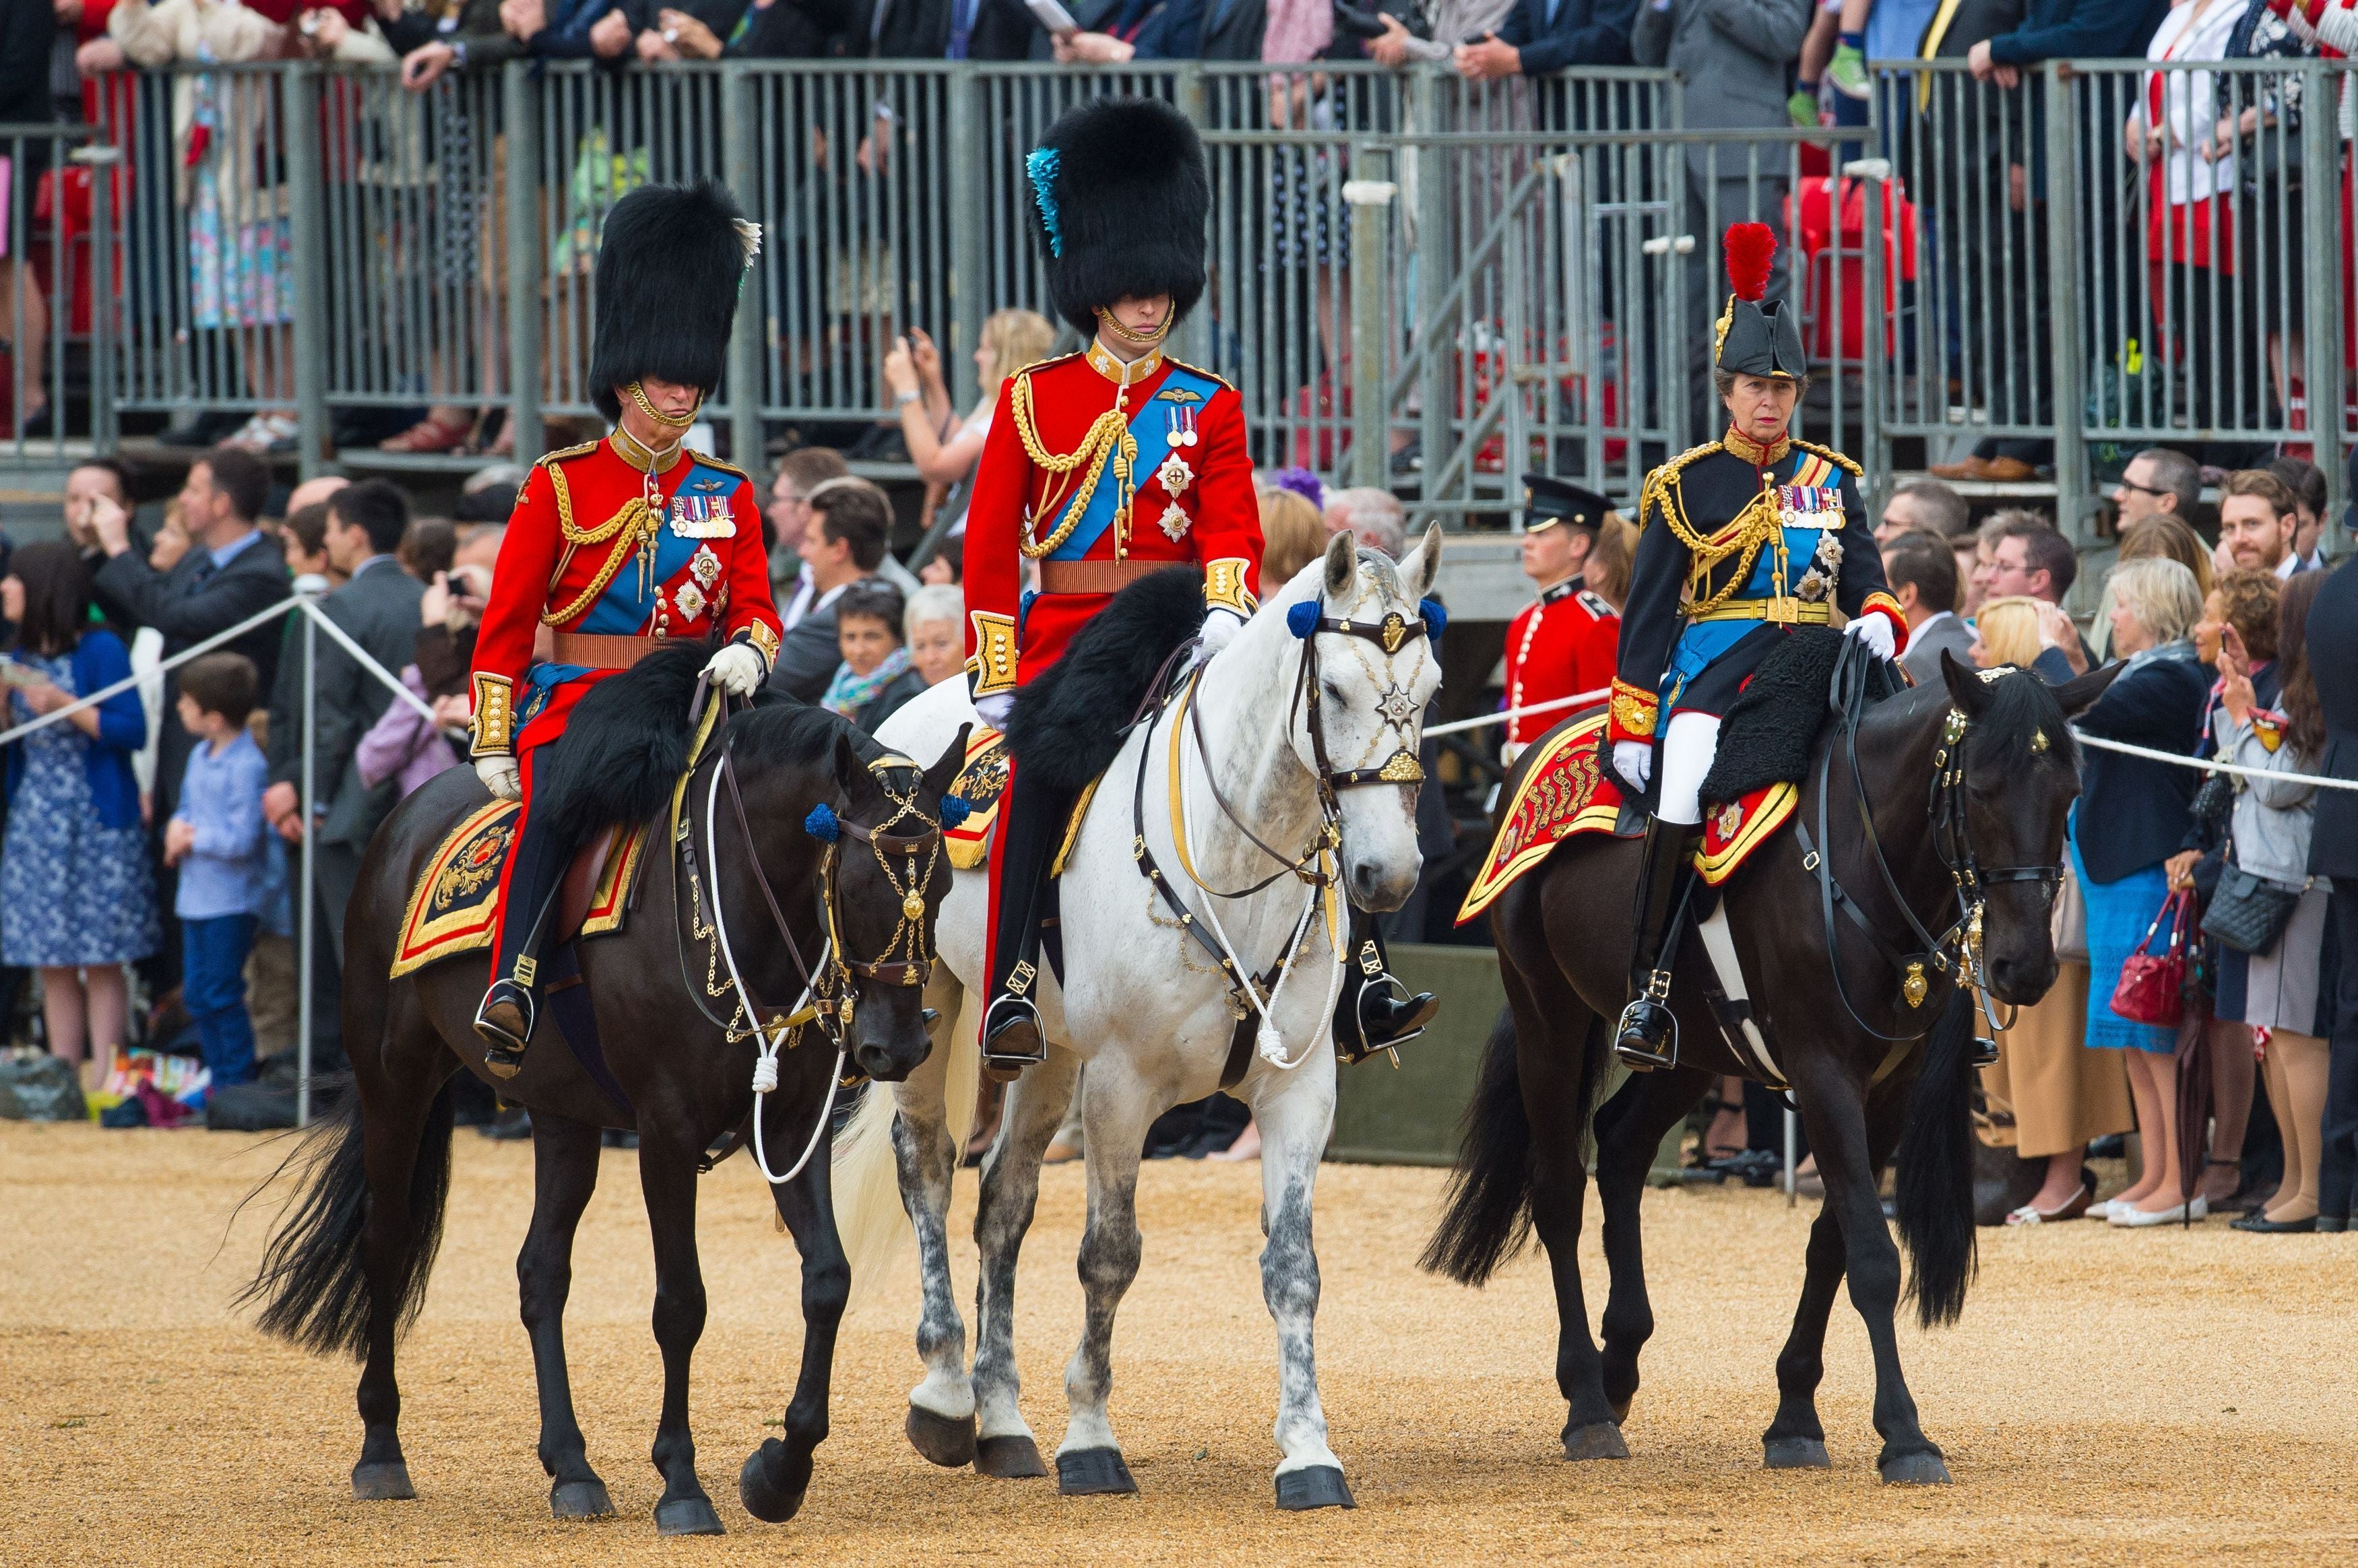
(73,893)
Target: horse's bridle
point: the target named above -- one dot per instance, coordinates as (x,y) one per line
(1955,953)
(829,984)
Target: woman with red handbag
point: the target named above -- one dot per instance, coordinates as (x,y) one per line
(2133,814)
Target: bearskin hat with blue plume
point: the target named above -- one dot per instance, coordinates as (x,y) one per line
(1756,339)
(1121,197)
(669,266)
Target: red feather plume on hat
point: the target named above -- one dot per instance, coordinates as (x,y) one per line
(1751,250)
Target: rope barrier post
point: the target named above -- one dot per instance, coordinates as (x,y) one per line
(1792,1189)
(305,937)
(1369,193)
(520,97)
(308,231)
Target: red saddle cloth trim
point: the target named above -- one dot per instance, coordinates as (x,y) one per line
(1565,789)
(455,907)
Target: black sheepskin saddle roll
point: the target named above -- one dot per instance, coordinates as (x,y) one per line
(624,745)
(1771,730)
(1067,726)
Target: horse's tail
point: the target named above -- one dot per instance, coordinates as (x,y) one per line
(868,1214)
(1934,1190)
(313,1283)
(1488,1216)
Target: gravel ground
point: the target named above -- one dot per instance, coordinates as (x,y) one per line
(2110,1397)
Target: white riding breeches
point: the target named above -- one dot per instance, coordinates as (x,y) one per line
(1688,747)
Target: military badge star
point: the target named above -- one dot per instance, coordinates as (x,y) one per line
(689,600)
(1175,475)
(704,567)
(1174,522)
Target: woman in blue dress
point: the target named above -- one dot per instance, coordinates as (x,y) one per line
(77,888)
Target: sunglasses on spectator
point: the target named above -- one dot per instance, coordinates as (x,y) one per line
(2148,489)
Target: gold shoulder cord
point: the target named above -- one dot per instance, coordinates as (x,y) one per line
(633,523)
(1760,520)
(1109,437)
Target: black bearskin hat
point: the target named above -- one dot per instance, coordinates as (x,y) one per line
(1756,339)
(668,269)
(1119,202)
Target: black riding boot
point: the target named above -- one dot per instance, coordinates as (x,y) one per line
(512,1006)
(1374,1011)
(1031,827)
(1645,1026)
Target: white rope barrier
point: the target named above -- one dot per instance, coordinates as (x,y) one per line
(1553,705)
(296,604)
(2320,780)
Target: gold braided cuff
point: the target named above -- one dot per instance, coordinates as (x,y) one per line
(764,639)
(1223,587)
(992,664)
(1889,606)
(1633,711)
(494,722)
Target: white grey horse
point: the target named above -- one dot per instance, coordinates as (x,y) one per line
(1144,1003)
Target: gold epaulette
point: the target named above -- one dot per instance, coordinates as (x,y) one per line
(551,459)
(1832,457)
(1658,483)
(1199,370)
(712,463)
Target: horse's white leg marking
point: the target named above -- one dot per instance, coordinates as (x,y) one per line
(1116,1109)
(924,1152)
(1011,1185)
(1296,1112)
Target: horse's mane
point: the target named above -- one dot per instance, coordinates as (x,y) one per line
(2021,707)
(780,732)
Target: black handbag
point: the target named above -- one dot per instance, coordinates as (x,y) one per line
(2249,914)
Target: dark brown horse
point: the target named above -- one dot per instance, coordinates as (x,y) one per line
(347,1270)
(1970,778)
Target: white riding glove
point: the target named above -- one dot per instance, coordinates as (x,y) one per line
(1220,627)
(501,777)
(737,669)
(1875,631)
(993,710)
(1634,761)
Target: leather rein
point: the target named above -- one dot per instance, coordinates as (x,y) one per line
(1955,954)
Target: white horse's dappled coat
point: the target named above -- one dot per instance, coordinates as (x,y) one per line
(1144,1006)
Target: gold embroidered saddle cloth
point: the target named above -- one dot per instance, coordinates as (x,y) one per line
(981,783)
(455,906)
(1568,786)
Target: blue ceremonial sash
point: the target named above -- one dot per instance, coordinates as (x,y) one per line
(1151,428)
(622,610)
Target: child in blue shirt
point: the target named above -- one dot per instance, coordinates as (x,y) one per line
(220,843)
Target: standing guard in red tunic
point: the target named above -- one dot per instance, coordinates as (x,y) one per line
(1566,644)
(619,547)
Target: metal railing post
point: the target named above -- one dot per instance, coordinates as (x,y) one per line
(1189,95)
(520,103)
(741,166)
(2067,343)
(1369,193)
(969,285)
(1874,176)
(308,232)
(307,936)
(101,160)
(1433,281)
(2323,305)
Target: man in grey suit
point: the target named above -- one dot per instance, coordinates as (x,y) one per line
(850,523)
(1922,572)
(1734,55)
(377,608)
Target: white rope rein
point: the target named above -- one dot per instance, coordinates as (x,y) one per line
(766,1043)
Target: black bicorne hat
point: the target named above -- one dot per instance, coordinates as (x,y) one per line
(1121,197)
(1756,339)
(669,266)
(1548,501)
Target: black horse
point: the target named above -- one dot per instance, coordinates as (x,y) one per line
(1994,759)
(347,1270)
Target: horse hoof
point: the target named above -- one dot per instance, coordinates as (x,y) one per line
(1796,1453)
(1319,1486)
(1914,1470)
(768,1484)
(1012,1458)
(580,1499)
(381,1483)
(944,1441)
(1093,1472)
(688,1516)
(1598,1440)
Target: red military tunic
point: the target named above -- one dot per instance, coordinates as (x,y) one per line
(587,555)
(1188,498)
(1563,644)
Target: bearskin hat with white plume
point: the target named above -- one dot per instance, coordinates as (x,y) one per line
(1120,200)
(1756,339)
(669,266)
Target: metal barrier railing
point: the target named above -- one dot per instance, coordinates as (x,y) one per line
(1416,281)
(47,288)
